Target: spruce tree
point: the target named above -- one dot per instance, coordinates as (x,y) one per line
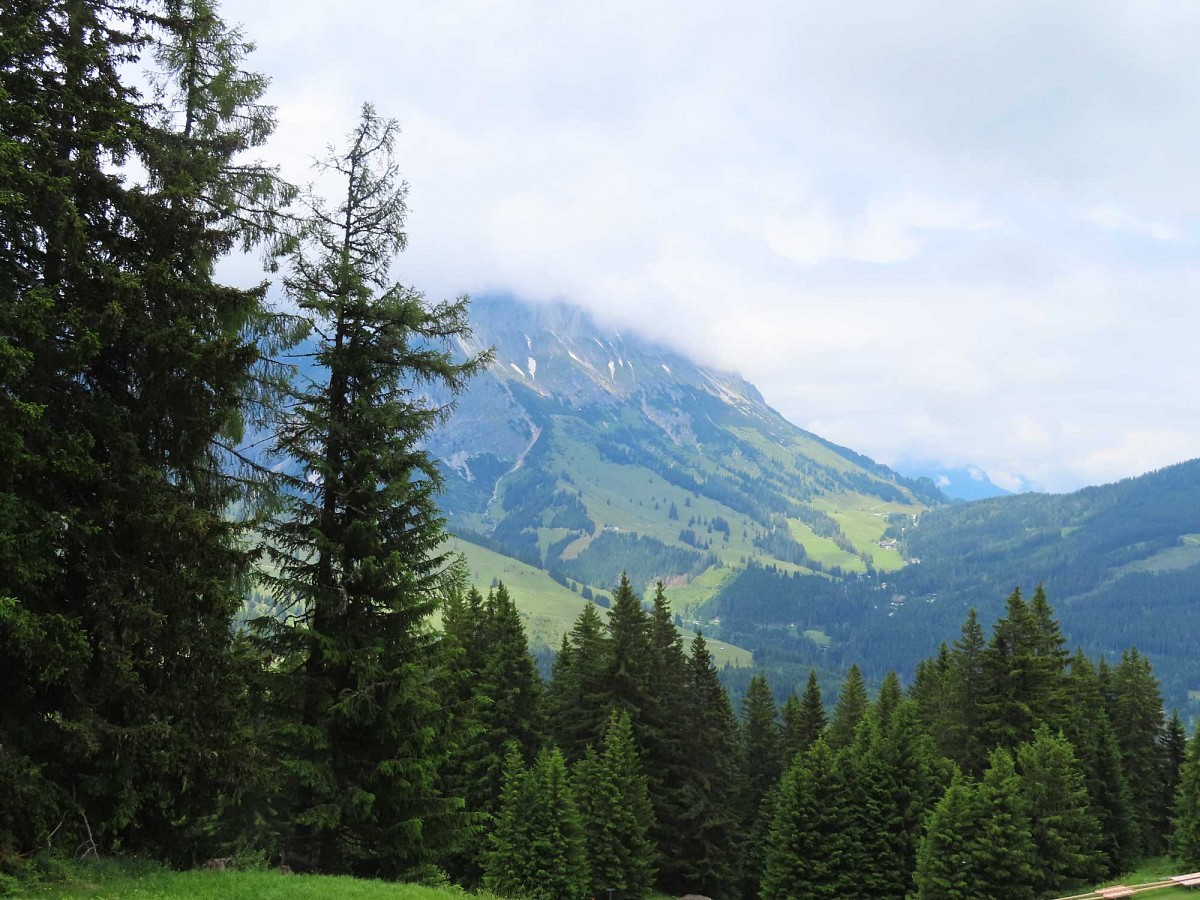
(1185,838)
(1095,741)
(946,866)
(614,804)
(358,551)
(1012,677)
(705,846)
(667,757)
(1065,831)
(807,845)
(1136,712)
(629,660)
(1004,851)
(890,693)
(870,817)
(908,756)
(762,767)
(803,719)
(501,708)
(125,373)
(852,704)
(1173,754)
(578,700)
(930,691)
(761,747)
(537,848)
(963,738)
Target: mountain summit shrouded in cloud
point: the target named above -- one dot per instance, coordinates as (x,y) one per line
(924,231)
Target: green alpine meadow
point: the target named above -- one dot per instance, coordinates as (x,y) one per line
(317,585)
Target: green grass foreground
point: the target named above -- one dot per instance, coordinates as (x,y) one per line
(115,881)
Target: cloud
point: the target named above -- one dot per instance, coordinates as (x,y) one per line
(928,231)
(1112,219)
(889,231)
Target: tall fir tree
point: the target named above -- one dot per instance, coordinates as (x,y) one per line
(807,845)
(946,868)
(762,767)
(963,737)
(852,704)
(358,551)
(614,804)
(578,701)
(1065,831)
(125,373)
(706,846)
(1136,712)
(537,847)
(1185,837)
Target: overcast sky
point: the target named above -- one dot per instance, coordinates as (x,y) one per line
(959,232)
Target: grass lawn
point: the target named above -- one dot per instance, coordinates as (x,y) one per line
(1159,868)
(116,880)
(109,881)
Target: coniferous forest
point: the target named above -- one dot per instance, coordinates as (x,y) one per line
(386,719)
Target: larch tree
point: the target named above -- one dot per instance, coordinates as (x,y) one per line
(357,553)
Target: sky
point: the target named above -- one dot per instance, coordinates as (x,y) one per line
(951,232)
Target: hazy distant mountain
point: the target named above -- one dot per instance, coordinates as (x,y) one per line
(963,483)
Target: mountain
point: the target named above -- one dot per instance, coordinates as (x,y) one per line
(958,483)
(1121,563)
(588,453)
(585,452)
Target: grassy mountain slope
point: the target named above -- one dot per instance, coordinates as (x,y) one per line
(589,453)
(549,609)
